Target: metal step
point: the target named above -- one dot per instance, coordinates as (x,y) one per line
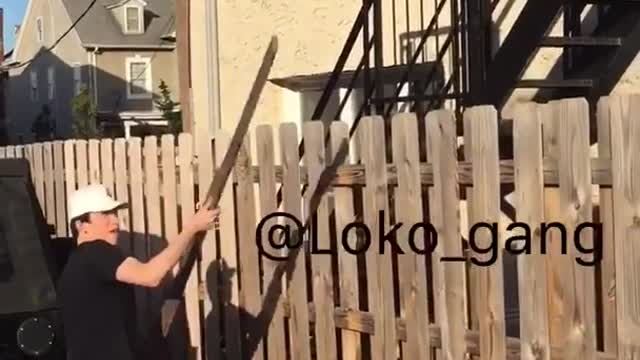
(544,83)
(563,41)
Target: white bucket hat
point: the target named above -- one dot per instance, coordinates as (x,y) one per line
(92,198)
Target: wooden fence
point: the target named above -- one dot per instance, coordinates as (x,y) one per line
(373,305)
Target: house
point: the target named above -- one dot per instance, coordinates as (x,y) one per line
(116,56)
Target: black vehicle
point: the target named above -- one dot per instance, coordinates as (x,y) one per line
(30,263)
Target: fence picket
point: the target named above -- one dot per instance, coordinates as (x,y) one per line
(486,200)
(297,287)
(625,137)
(412,272)
(169,189)
(228,265)
(250,297)
(11,152)
(208,269)
(3,152)
(527,139)
(322,274)
(607,266)
(69,173)
(20,151)
(575,198)
(347,263)
(139,242)
(449,291)
(187,197)
(60,196)
(273,293)
(39,176)
(94,161)
(49,176)
(122,187)
(81,160)
(106,164)
(376,216)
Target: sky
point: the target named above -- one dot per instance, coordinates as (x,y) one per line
(13,13)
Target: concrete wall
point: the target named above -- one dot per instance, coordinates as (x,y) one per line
(21,111)
(111,77)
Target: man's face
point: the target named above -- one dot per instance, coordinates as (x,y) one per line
(102,225)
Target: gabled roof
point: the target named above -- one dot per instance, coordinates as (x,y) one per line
(100,28)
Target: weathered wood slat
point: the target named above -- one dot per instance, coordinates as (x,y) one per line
(625,141)
(122,191)
(106,165)
(38,175)
(3,152)
(273,285)
(69,173)
(347,263)
(412,272)
(576,202)
(208,268)
(292,199)
(471,271)
(81,161)
(250,297)
(11,152)
(187,206)
(486,209)
(60,195)
(49,189)
(169,190)
(322,274)
(94,161)
(228,267)
(376,215)
(449,291)
(138,231)
(532,289)
(607,266)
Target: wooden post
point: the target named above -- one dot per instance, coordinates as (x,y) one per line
(184,62)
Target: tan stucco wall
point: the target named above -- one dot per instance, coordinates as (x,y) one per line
(112,75)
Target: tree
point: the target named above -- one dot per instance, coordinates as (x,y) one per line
(167,106)
(85,123)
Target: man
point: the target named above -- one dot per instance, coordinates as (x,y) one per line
(96,285)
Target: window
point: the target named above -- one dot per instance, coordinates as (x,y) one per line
(39,29)
(138,78)
(34,86)
(133,19)
(51,82)
(77,79)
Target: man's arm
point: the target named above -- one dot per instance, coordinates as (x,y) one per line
(151,273)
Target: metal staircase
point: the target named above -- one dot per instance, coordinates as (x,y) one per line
(591,63)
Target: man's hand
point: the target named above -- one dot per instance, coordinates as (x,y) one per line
(204,219)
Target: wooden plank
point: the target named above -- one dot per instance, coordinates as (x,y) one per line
(471,273)
(347,262)
(412,267)
(575,200)
(625,138)
(49,181)
(169,189)
(94,161)
(273,286)
(250,297)
(3,152)
(208,268)
(486,209)
(322,273)
(138,232)
(11,151)
(122,191)
(228,267)
(49,189)
(292,199)
(60,195)
(81,160)
(527,143)
(20,151)
(187,206)
(154,239)
(444,202)
(607,265)
(70,173)
(39,176)
(379,262)
(106,164)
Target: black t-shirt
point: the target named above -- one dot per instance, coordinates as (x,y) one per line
(98,311)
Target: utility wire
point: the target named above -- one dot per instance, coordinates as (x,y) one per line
(19,65)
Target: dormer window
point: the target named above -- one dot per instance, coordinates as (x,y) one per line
(133,19)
